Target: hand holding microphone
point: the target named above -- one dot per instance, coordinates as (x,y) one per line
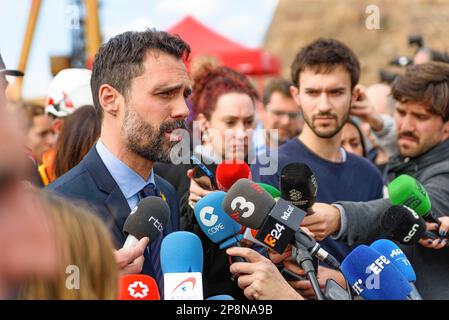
(440,241)
(130,260)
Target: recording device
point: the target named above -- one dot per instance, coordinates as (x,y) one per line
(138,287)
(298,185)
(182,266)
(403,224)
(373,276)
(390,250)
(230,171)
(147,219)
(196,163)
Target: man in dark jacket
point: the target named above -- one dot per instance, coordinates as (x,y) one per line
(422,120)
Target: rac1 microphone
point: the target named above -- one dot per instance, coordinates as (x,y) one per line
(230,171)
(147,219)
(182,265)
(215,223)
(403,224)
(298,185)
(373,276)
(406,190)
(138,287)
(390,250)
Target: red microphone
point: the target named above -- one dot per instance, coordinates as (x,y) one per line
(229,171)
(138,287)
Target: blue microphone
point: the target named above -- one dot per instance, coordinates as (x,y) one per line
(182,265)
(373,276)
(218,226)
(393,253)
(221,297)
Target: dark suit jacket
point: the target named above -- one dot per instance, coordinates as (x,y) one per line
(91,182)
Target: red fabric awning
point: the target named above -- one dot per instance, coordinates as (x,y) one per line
(206,42)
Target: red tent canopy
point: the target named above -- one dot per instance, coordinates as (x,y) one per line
(204,41)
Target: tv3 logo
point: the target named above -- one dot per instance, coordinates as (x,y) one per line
(273,237)
(245,208)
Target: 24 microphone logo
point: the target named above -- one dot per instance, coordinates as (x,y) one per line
(138,290)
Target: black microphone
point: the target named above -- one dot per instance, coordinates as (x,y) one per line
(147,219)
(403,224)
(278,222)
(298,185)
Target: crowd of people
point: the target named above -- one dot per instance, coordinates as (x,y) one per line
(72,171)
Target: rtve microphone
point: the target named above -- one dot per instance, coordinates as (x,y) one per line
(147,219)
(390,250)
(182,265)
(403,224)
(138,287)
(230,171)
(298,185)
(373,276)
(406,190)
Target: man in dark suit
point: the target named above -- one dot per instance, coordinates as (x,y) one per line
(139,85)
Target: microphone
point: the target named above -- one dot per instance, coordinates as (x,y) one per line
(298,185)
(138,287)
(272,191)
(277,222)
(230,171)
(390,250)
(147,219)
(373,276)
(182,265)
(406,190)
(221,297)
(403,224)
(250,205)
(215,223)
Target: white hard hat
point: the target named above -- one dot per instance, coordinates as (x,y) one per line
(69,90)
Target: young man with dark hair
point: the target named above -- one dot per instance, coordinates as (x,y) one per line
(422,121)
(324,75)
(139,85)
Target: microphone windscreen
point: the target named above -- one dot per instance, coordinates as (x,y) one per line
(148,218)
(406,190)
(138,287)
(396,255)
(373,276)
(229,171)
(221,297)
(181,251)
(248,203)
(403,224)
(272,191)
(212,219)
(298,185)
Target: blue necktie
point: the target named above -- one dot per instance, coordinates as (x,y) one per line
(155,248)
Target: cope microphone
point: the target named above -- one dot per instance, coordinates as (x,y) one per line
(373,276)
(147,219)
(406,190)
(230,171)
(403,224)
(138,287)
(390,250)
(298,185)
(182,266)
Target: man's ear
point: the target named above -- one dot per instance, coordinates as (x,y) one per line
(295,95)
(446,130)
(110,99)
(204,124)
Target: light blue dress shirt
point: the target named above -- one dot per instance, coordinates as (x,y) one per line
(129,182)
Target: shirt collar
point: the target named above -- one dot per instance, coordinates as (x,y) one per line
(129,182)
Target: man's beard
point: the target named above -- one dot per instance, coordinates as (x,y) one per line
(326,135)
(147,140)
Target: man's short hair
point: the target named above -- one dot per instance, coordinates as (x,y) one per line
(426,83)
(120,59)
(323,56)
(276,85)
